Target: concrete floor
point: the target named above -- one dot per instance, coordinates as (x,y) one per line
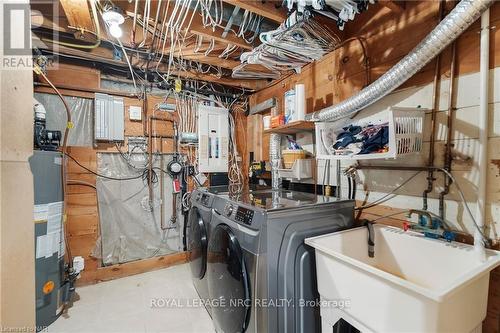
(128,305)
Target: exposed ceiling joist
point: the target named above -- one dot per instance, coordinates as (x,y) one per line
(103,55)
(267,9)
(196,26)
(216,35)
(187,52)
(79,16)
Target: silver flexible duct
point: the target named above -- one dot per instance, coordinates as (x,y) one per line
(459,19)
(275,158)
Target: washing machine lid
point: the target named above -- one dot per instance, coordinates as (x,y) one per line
(228,281)
(197,243)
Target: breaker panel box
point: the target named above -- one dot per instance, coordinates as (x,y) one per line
(213,133)
(109,113)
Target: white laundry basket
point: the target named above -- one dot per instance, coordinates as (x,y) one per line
(405,133)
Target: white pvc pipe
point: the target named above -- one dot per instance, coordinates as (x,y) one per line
(484,70)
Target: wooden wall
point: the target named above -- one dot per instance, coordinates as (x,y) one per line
(390,36)
(83,219)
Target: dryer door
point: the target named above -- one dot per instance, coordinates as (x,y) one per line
(197,244)
(228,281)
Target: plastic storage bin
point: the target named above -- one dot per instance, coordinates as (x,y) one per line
(405,133)
(301,169)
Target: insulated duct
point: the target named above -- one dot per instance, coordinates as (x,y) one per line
(459,19)
(275,158)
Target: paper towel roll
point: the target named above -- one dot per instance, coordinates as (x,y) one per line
(300,102)
(290,100)
(267,122)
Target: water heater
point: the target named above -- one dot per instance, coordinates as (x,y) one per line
(213,133)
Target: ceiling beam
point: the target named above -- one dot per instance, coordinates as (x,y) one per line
(187,52)
(79,17)
(105,56)
(196,26)
(268,9)
(216,35)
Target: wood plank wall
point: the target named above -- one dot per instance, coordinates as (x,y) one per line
(389,36)
(82,210)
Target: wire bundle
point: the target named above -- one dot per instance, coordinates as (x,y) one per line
(339,10)
(297,42)
(235,173)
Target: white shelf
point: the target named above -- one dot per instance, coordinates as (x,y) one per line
(301,169)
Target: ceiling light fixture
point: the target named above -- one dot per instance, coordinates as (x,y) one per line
(113,19)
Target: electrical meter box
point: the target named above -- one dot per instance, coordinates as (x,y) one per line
(213,133)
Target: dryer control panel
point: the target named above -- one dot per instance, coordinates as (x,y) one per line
(244,215)
(203,198)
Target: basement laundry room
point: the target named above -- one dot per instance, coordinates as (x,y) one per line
(258,166)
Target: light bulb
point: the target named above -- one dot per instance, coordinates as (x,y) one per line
(115,30)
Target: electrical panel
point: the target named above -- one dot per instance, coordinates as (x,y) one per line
(108,118)
(213,133)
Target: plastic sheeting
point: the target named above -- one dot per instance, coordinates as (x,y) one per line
(124,87)
(130,229)
(82,115)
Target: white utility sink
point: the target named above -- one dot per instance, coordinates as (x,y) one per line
(412,284)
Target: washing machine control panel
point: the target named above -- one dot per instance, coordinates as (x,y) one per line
(228,210)
(244,215)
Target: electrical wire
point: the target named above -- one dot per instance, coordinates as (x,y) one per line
(389,215)
(467,208)
(129,66)
(101,175)
(386,197)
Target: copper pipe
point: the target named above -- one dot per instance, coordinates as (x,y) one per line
(149,134)
(150,159)
(134,24)
(162,192)
(398,168)
(436,83)
(63,165)
(449,129)
(144,109)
